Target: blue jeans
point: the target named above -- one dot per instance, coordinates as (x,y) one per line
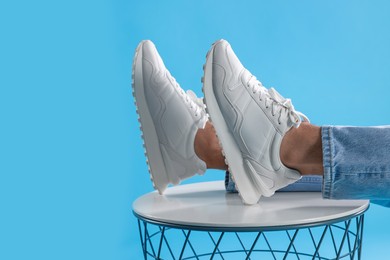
(356,165)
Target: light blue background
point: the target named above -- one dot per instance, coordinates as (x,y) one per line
(71,159)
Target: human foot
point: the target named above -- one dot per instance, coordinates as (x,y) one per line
(169,118)
(250,122)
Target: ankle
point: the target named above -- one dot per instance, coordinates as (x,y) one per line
(301,149)
(207,148)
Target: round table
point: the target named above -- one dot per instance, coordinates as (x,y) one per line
(203,221)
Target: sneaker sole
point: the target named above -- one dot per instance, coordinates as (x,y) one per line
(151,144)
(233,158)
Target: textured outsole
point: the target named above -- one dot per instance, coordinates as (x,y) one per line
(143,121)
(249,196)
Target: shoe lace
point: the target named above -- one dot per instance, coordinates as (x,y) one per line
(194,103)
(276,102)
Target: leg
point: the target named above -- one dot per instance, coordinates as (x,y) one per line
(207,148)
(356,162)
(301,149)
(267,147)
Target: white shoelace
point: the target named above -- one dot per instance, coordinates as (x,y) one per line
(195,104)
(277,102)
(198,101)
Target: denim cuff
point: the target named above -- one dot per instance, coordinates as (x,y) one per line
(356,162)
(306,183)
(326,133)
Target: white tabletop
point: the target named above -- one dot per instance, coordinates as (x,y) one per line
(207,205)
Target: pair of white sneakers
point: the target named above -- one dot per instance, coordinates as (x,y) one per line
(250,122)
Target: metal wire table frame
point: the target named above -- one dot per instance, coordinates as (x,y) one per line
(336,239)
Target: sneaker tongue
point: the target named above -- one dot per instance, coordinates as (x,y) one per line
(199,102)
(296,117)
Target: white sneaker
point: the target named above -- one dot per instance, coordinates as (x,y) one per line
(169,119)
(250,122)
